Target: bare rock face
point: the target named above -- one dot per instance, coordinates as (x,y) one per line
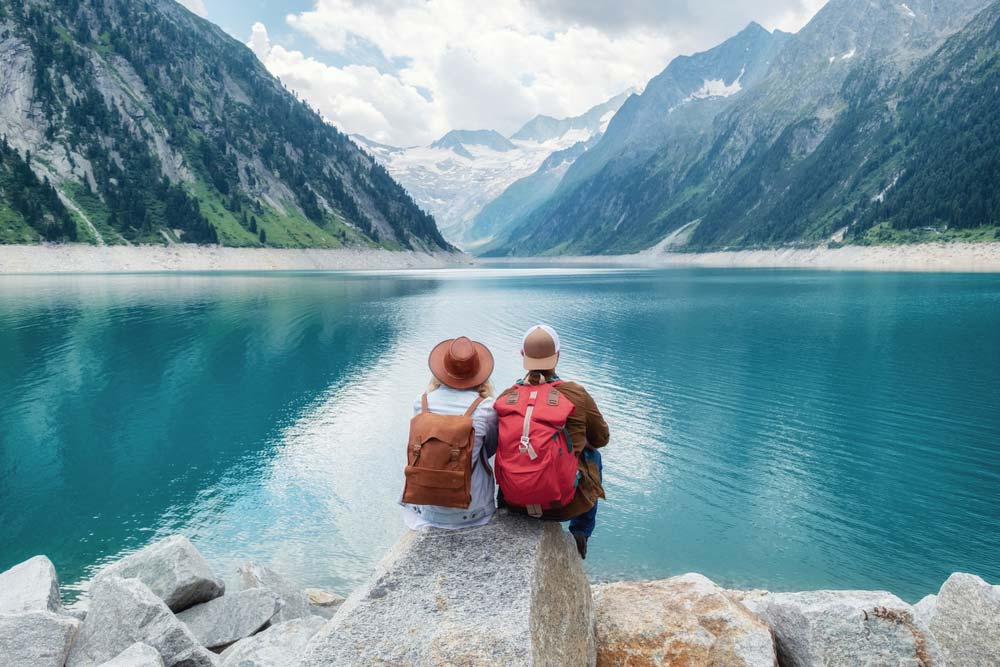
(173,569)
(295,602)
(30,586)
(966,621)
(280,645)
(126,611)
(136,655)
(683,621)
(510,593)
(36,639)
(870,628)
(232,617)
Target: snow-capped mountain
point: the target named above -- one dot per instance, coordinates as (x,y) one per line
(459,174)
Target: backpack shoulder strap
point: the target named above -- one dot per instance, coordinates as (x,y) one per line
(423,404)
(472,408)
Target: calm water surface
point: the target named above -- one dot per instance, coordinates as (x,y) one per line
(779,429)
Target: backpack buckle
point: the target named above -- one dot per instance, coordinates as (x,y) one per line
(526,448)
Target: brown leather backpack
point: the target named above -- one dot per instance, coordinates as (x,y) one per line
(439,458)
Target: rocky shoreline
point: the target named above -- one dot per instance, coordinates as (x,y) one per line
(511,593)
(83,258)
(955,257)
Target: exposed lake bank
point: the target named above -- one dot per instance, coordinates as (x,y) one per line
(924,257)
(82,258)
(953,257)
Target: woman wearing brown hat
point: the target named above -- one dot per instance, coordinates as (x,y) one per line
(460,386)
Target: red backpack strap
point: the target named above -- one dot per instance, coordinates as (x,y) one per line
(472,408)
(423,404)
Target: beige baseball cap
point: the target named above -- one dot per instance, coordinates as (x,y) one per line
(540,348)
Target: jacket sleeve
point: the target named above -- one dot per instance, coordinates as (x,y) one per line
(491,435)
(597,429)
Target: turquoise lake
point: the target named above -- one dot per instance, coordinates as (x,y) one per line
(780,429)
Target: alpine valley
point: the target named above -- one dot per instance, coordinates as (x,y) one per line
(135,121)
(477,182)
(876,123)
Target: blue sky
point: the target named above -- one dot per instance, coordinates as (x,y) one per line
(404,72)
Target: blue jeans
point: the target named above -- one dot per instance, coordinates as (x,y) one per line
(584,524)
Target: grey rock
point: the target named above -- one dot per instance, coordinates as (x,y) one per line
(323,603)
(126,611)
(173,569)
(136,655)
(224,620)
(78,609)
(36,639)
(870,628)
(924,610)
(966,621)
(280,645)
(510,593)
(29,586)
(294,599)
(685,620)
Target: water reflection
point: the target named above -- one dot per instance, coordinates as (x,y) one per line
(769,428)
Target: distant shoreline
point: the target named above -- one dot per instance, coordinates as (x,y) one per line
(953,257)
(81,258)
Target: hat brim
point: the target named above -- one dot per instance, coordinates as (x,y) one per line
(437,366)
(544,364)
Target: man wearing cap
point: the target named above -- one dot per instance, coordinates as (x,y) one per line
(585,426)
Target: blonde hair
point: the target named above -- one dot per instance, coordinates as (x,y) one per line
(485,389)
(539,377)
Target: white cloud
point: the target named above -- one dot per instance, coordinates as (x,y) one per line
(196,6)
(484,65)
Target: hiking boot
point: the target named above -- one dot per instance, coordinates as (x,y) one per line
(581,545)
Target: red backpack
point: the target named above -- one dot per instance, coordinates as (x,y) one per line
(535,466)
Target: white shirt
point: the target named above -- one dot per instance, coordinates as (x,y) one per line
(448,401)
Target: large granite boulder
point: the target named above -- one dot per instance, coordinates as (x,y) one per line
(173,569)
(36,639)
(222,621)
(869,628)
(29,586)
(686,620)
(136,655)
(295,602)
(280,645)
(510,593)
(126,611)
(966,621)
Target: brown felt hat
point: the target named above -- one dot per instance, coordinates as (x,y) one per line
(461,363)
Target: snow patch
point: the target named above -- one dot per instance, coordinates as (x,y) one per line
(850,54)
(909,12)
(717,88)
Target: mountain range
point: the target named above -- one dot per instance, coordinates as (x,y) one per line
(135,121)
(877,118)
(456,176)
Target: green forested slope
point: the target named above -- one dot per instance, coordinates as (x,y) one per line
(875,124)
(156,124)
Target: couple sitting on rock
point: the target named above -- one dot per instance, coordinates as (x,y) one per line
(544,434)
